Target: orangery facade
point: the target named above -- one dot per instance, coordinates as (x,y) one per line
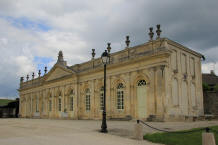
(159,80)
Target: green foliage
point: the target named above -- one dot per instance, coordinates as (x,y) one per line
(193,138)
(4,102)
(206,87)
(216,88)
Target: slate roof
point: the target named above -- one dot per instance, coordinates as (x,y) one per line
(210,78)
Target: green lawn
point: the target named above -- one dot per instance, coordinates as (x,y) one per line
(194,138)
(4,102)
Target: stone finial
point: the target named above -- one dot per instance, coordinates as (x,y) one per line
(109,47)
(127,41)
(158,31)
(151,34)
(60,56)
(21,79)
(33,75)
(27,77)
(39,73)
(61,59)
(93,53)
(45,70)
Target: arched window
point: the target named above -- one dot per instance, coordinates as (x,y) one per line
(87,99)
(102,98)
(59,103)
(71,101)
(120,96)
(141,83)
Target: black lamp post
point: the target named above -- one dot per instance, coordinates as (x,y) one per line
(105,60)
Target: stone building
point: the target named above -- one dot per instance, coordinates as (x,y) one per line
(210,93)
(159,79)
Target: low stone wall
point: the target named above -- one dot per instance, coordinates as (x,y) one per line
(211,103)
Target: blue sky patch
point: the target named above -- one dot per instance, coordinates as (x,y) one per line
(25,23)
(42,62)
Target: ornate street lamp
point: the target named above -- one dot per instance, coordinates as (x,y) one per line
(105,60)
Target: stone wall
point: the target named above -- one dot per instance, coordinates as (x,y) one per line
(211,102)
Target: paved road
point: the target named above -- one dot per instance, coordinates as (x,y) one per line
(78,132)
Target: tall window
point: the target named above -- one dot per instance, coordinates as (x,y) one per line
(31,104)
(120,96)
(102,98)
(87,99)
(37,104)
(42,104)
(50,103)
(59,103)
(71,101)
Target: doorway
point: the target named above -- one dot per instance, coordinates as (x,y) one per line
(141,99)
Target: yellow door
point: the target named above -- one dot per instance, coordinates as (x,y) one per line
(141,99)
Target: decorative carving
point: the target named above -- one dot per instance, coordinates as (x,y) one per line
(139,71)
(158,31)
(175,71)
(193,77)
(151,34)
(127,41)
(162,69)
(185,76)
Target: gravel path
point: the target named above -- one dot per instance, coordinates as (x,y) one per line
(79,132)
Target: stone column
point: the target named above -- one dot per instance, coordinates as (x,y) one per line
(76,102)
(155,89)
(159,92)
(108,106)
(92,99)
(127,101)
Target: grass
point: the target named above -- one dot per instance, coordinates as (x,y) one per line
(5,101)
(193,138)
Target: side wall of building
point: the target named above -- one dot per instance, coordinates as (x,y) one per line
(185,96)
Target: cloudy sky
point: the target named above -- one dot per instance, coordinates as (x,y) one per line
(33,31)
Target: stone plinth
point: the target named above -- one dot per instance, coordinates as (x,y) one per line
(208,139)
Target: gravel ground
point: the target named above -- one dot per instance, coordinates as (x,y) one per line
(80,132)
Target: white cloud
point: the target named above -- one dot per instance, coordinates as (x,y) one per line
(207,67)
(78,26)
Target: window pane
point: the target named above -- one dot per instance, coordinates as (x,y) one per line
(59,104)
